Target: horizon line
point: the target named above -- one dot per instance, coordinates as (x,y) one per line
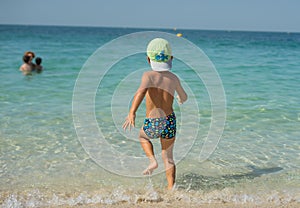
(151,28)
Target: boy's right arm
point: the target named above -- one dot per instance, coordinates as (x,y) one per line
(138,98)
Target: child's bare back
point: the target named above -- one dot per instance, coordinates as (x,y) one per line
(161,87)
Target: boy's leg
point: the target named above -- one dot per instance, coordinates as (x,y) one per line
(148,149)
(167,156)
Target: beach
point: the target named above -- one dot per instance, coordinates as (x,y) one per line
(162,199)
(56,152)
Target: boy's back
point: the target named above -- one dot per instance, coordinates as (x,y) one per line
(160,94)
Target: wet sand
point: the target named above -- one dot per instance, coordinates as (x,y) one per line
(188,205)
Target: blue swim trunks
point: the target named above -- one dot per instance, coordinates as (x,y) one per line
(164,127)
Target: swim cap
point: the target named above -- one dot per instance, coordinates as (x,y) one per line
(159,53)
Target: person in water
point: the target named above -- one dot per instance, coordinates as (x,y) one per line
(38,66)
(32,56)
(158,86)
(26,67)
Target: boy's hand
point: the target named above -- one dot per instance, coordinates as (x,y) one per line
(178,99)
(129,121)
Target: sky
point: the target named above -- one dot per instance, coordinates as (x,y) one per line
(242,15)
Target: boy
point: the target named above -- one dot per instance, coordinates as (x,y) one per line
(159,86)
(38,66)
(26,67)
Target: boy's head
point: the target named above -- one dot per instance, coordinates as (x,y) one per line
(159,54)
(26,59)
(38,60)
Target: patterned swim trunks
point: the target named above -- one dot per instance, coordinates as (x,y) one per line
(164,127)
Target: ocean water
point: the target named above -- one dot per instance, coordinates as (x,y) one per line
(45,160)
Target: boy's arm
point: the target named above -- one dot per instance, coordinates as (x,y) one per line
(182,96)
(137,100)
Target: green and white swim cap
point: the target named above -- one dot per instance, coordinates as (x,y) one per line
(160,54)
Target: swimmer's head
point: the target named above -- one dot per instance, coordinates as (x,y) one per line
(38,60)
(29,53)
(26,58)
(160,54)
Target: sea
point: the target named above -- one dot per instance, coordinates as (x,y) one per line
(61,137)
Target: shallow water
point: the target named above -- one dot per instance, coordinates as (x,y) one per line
(42,162)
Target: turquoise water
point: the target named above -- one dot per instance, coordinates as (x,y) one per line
(42,161)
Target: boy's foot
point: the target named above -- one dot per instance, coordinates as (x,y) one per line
(150,168)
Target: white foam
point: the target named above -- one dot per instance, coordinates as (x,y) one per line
(36,198)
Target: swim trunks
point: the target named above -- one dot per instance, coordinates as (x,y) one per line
(164,127)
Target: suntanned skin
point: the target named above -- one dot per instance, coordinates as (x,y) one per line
(159,89)
(26,68)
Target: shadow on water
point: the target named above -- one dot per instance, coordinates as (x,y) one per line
(194,181)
